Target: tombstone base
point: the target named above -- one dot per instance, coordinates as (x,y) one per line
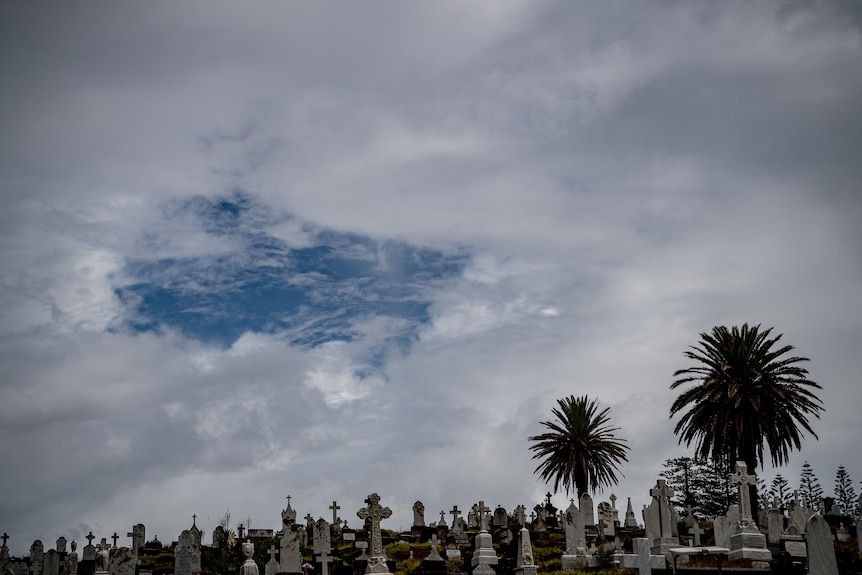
(483,569)
(526,570)
(97,572)
(749,543)
(573,562)
(663,545)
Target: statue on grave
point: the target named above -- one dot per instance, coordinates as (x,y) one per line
(103,558)
(418,514)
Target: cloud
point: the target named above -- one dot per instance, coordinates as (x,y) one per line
(256,253)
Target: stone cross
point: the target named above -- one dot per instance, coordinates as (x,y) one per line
(115,537)
(743,479)
(90,538)
(483,516)
(663,493)
(695,531)
(5,539)
(240,529)
(455,512)
(442,518)
(375,512)
(309,520)
(325,560)
(272,553)
(335,507)
(641,560)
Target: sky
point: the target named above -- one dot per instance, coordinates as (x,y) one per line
(328,249)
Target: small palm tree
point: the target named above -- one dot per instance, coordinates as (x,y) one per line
(748,397)
(580,450)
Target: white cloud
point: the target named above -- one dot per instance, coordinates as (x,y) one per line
(619,178)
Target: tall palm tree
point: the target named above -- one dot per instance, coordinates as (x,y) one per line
(749,397)
(579,451)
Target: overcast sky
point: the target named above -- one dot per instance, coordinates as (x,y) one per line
(328,249)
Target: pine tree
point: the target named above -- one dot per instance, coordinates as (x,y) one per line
(701,484)
(810,487)
(845,495)
(780,490)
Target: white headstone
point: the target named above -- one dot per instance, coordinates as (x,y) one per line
(290,557)
(587,511)
(642,559)
(524,563)
(821,547)
(375,513)
(418,514)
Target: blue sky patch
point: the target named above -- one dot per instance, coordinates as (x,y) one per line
(312,294)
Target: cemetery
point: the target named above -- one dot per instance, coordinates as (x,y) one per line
(739,531)
(583,538)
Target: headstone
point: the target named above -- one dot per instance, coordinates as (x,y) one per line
(573,522)
(793,543)
(501,518)
(842,534)
(272,566)
(442,522)
(375,513)
(51,564)
(139,536)
(434,555)
(800,512)
(746,542)
(89,551)
(606,518)
(586,505)
(661,508)
(290,559)
(549,512)
(363,550)
(821,547)
(642,559)
(322,537)
(335,507)
(218,536)
(249,567)
(520,515)
(60,546)
(774,525)
(724,526)
(575,556)
(183,554)
(483,552)
(614,512)
(37,556)
(418,514)
(452,552)
(652,520)
(456,519)
(631,521)
(524,563)
(473,517)
(123,562)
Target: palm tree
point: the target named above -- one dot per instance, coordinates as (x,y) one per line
(579,451)
(748,396)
